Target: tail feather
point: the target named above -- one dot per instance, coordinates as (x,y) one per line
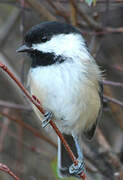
(64,160)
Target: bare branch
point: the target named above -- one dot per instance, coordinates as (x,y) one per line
(82,175)
(116,110)
(112,83)
(12,105)
(91,22)
(4,129)
(113,100)
(59,10)
(41,10)
(29,128)
(73,13)
(4,168)
(7,28)
(95,25)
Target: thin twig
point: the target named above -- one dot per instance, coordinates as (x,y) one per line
(111,1)
(29,128)
(12,105)
(95,25)
(28,146)
(19,146)
(41,10)
(91,22)
(117,111)
(113,100)
(105,145)
(4,129)
(22,30)
(8,26)
(98,1)
(13,3)
(112,83)
(73,13)
(101,32)
(102,141)
(59,10)
(82,175)
(4,168)
(22,25)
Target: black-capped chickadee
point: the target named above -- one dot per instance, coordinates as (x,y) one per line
(66,79)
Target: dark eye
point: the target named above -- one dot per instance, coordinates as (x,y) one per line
(43,38)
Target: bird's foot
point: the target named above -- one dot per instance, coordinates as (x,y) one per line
(77,169)
(47,117)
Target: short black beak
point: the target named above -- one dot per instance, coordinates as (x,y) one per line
(24,48)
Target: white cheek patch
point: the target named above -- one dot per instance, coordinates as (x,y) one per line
(67,45)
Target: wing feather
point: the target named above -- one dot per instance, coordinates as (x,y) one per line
(90,133)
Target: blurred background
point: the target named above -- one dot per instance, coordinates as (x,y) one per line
(24,146)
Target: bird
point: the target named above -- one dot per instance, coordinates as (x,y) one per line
(66,79)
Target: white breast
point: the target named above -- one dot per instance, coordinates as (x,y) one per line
(63,89)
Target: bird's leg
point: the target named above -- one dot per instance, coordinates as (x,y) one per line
(79,149)
(80,167)
(47,117)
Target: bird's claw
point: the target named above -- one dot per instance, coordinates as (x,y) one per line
(77,169)
(47,117)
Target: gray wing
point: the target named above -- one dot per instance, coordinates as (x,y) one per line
(90,133)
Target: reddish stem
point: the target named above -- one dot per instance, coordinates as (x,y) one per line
(30,128)
(64,142)
(83,176)
(37,103)
(4,130)
(6,169)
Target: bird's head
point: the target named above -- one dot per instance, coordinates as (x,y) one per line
(52,42)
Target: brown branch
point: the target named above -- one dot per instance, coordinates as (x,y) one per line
(22,25)
(112,83)
(106,149)
(98,33)
(12,105)
(100,154)
(28,146)
(111,1)
(114,30)
(73,13)
(8,26)
(41,10)
(93,153)
(102,141)
(91,22)
(105,145)
(116,110)
(59,10)
(82,175)
(81,24)
(4,168)
(20,135)
(113,100)
(4,130)
(29,128)
(98,1)
(89,167)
